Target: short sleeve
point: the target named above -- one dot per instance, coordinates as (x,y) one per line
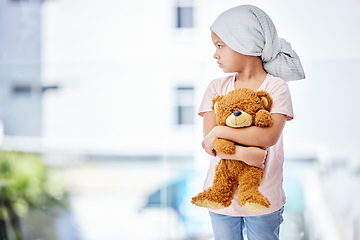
(206,103)
(282,102)
(219,86)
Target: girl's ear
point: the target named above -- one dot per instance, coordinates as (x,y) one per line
(265,99)
(215,102)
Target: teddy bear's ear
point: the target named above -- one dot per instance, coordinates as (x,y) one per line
(265,99)
(215,102)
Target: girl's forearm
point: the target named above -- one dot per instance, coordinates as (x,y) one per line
(252,156)
(251,136)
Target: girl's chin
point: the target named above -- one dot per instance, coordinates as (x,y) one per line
(226,70)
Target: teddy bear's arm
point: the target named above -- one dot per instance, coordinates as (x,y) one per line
(224,146)
(263,119)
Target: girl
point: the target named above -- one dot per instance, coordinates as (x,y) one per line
(247,45)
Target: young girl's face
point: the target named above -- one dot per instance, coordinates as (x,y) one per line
(229,60)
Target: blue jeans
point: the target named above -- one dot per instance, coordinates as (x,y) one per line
(263,227)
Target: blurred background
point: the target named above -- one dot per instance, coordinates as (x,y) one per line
(99,133)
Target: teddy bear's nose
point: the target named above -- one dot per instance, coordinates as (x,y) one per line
(236,113)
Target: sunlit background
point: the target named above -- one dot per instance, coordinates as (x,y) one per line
(100,138)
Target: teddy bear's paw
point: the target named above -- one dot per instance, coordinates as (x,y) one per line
(224,146)
(255,207)
(263,119)
(254,201)
(208,204)
(204,200)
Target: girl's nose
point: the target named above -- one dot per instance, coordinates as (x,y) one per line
(216,56)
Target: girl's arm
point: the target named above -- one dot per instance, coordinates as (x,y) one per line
(252,156)
(209,122)
(249,136)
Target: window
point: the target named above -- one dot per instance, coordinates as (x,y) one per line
(184,105)
(185,14)
(22,89)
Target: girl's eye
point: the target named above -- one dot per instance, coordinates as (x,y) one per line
(220,46)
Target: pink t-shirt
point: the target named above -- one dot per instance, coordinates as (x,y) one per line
(271,184)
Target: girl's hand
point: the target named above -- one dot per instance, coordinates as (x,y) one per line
(208,142)
(256,156)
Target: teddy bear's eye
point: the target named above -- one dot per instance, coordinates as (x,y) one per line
(243,109)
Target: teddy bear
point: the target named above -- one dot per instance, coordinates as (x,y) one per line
(241,107)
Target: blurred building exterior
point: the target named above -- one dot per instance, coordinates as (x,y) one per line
(119,74)
(128,80)
(20,67)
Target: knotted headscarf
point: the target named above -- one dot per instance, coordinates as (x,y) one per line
(248,30)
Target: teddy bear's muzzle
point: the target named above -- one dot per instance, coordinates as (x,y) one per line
(238,119)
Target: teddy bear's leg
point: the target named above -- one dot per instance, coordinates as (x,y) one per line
(249,196)
(221,193)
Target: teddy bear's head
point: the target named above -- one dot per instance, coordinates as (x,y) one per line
(243,107)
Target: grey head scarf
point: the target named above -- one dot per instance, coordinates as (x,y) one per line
(248,30)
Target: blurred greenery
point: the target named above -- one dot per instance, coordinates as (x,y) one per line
(26,183)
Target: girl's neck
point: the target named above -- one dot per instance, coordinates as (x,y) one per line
(252,76)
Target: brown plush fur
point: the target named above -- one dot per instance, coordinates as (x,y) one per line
(232,174)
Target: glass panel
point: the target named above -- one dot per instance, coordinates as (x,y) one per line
(185,17)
